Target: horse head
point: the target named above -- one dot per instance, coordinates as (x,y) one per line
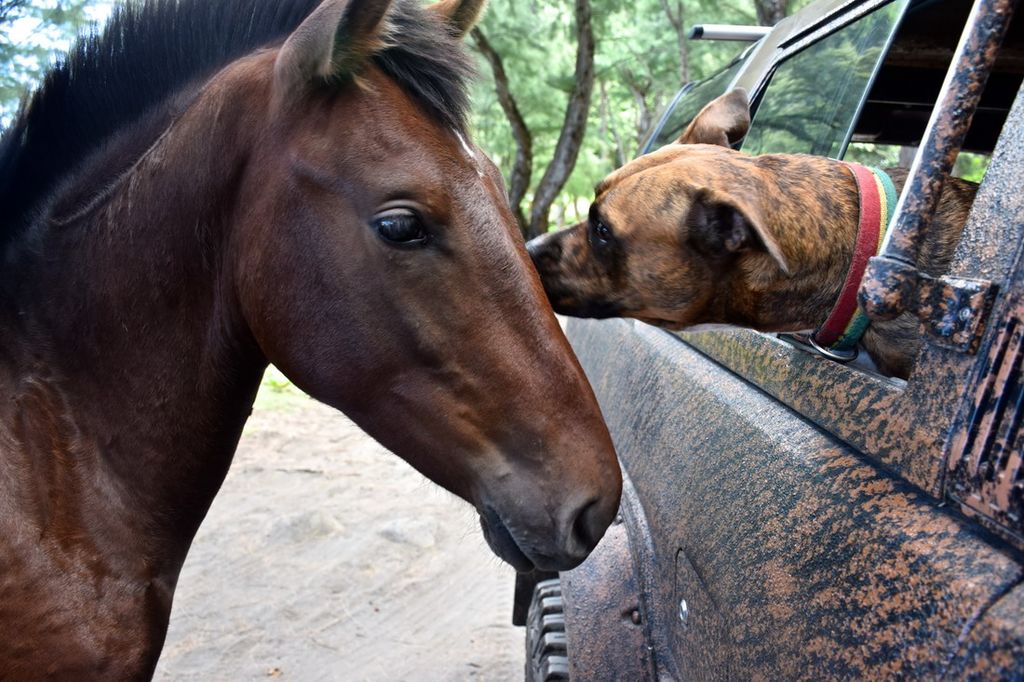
(378,265)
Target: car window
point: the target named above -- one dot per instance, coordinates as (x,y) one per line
(969,166)
(690,102)
(814,96)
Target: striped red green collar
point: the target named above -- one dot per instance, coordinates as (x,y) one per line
(846,324)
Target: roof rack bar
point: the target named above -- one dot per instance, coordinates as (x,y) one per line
(747,34)
(891,283)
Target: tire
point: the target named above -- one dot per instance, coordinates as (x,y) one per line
(546,653)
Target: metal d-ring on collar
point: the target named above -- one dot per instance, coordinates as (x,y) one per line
(837,354)
(807,343)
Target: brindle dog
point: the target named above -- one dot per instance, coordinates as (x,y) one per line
(699,234)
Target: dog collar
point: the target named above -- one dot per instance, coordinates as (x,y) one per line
(845,325)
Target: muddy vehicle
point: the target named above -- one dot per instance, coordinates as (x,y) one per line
(786,516)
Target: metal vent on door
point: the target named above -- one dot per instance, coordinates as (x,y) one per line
(985,474)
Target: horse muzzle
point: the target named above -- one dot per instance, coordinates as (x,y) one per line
(560,547)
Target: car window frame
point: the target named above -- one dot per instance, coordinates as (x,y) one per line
(797,48)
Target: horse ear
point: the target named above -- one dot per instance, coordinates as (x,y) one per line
(461,15)
(718,225)
(332,41)
(723,121)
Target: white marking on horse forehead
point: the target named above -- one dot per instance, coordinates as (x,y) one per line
(465,145)
(470,153)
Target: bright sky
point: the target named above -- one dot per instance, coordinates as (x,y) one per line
(28,30)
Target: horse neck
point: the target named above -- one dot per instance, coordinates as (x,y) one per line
(130,359)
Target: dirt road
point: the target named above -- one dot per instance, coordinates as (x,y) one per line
(325,557)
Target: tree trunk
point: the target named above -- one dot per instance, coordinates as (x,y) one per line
(573,128)
(609,129)
(522,169)
(770,12)
(640,88)
(677,17)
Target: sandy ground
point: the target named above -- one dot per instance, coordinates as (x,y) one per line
(324,557)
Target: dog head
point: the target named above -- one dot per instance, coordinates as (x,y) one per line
(666,231)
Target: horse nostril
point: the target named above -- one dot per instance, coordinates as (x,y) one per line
(589,526)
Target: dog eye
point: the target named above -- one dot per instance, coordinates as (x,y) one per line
(600,234)
(401,227)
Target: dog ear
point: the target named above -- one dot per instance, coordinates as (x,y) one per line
(718,226)
(723,121)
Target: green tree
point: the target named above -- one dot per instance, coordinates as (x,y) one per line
(32,33)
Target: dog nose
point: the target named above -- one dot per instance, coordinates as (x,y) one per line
(544,251)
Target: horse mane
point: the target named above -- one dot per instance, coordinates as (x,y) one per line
(151,49)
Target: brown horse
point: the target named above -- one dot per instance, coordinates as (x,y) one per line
(214,184)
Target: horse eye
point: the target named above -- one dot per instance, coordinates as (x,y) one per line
(401,227)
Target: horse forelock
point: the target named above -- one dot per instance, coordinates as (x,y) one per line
(152,49)
(428,61)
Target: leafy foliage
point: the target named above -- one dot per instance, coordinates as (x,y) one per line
(32,32)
